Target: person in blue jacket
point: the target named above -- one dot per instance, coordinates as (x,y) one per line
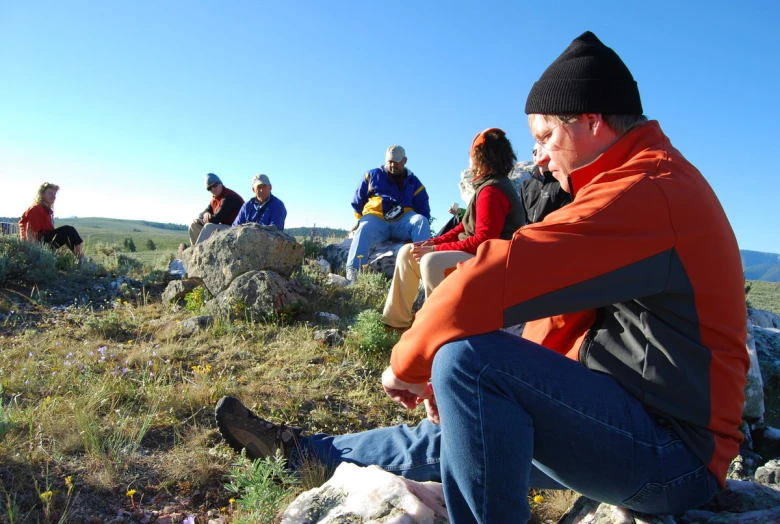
(389,203)
(264,208)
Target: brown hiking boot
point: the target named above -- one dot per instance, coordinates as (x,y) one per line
(243,429)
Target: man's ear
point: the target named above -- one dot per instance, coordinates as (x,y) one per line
(595,123)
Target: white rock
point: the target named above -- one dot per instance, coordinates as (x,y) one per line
(337,280)
(368,494)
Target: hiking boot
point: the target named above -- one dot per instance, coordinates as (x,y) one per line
(243,429)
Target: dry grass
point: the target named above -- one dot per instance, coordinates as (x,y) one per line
(117,401)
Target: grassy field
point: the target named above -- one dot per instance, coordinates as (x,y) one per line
(109,231)
(764,295)
(106,413)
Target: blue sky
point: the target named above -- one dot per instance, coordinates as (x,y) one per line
(127,105)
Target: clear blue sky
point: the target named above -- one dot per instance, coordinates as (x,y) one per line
(127,105)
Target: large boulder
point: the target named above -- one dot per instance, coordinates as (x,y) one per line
(764,319)
(230,253)
(368,494)
(754,389)
(255,294)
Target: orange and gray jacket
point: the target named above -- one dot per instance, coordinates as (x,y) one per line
(642,280)
(378,193)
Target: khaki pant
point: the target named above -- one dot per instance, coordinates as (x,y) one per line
(209,229)
(195,228)
(406,281)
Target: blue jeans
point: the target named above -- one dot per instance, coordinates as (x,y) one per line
(516,415)
(373,230)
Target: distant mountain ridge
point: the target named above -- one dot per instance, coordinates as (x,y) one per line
(760,266)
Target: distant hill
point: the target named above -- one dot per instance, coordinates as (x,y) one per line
(760,266)
(323,232)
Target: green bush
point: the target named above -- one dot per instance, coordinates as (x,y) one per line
(312,247)
(195,299)
(373,336)
(370,290)
(25,263)
(263,485)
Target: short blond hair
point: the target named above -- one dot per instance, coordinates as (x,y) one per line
(42,189)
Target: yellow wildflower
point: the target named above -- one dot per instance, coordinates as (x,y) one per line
(46,495)
(538,499)
(232,501)
(131,492)
(69,480)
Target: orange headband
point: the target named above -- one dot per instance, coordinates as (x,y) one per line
(480,138)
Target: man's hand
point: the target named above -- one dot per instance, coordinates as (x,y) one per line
(207,217)
(409,395)
(432,410)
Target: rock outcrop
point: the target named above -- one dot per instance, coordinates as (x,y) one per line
(230,253)
(255,294)
(246,270)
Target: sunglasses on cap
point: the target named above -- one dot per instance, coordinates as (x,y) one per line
(480,138)
(212,186)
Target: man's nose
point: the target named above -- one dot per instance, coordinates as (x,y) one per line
(542,158)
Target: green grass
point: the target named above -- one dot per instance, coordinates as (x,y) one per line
(764,295)
(111,231)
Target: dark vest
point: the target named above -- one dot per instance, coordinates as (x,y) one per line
(514,220)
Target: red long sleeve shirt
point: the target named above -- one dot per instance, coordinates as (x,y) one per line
(492,209)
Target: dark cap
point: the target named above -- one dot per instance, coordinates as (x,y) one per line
(588,77)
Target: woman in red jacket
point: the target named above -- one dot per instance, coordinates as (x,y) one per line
(495,211)
(37,223)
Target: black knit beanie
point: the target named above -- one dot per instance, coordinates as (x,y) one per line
(588,77)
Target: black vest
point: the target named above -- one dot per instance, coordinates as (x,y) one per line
(514,220)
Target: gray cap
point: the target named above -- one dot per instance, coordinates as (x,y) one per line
(260,179)
(395,153)
(212,179)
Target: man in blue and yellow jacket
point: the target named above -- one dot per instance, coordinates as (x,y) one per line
(389,203)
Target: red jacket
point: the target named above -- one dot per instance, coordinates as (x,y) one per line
(647,253)
(225,207)
(39,219)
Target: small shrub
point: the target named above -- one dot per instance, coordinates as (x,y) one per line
(25,263)
(195,299)
(370,290)
(373,337)
(263,485)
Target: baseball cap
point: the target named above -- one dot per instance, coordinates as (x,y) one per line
(395,153)
(260,179)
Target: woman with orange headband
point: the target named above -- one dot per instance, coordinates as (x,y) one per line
(495,211)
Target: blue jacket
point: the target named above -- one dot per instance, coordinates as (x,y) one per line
(378,193)
(272,212)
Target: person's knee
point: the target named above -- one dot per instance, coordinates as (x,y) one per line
(452,361)
(404,254)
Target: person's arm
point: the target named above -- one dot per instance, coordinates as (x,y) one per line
(230,204)
(592,257)
(449,236)
(361,196)
(492,208)
(278,214)
(420,201)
